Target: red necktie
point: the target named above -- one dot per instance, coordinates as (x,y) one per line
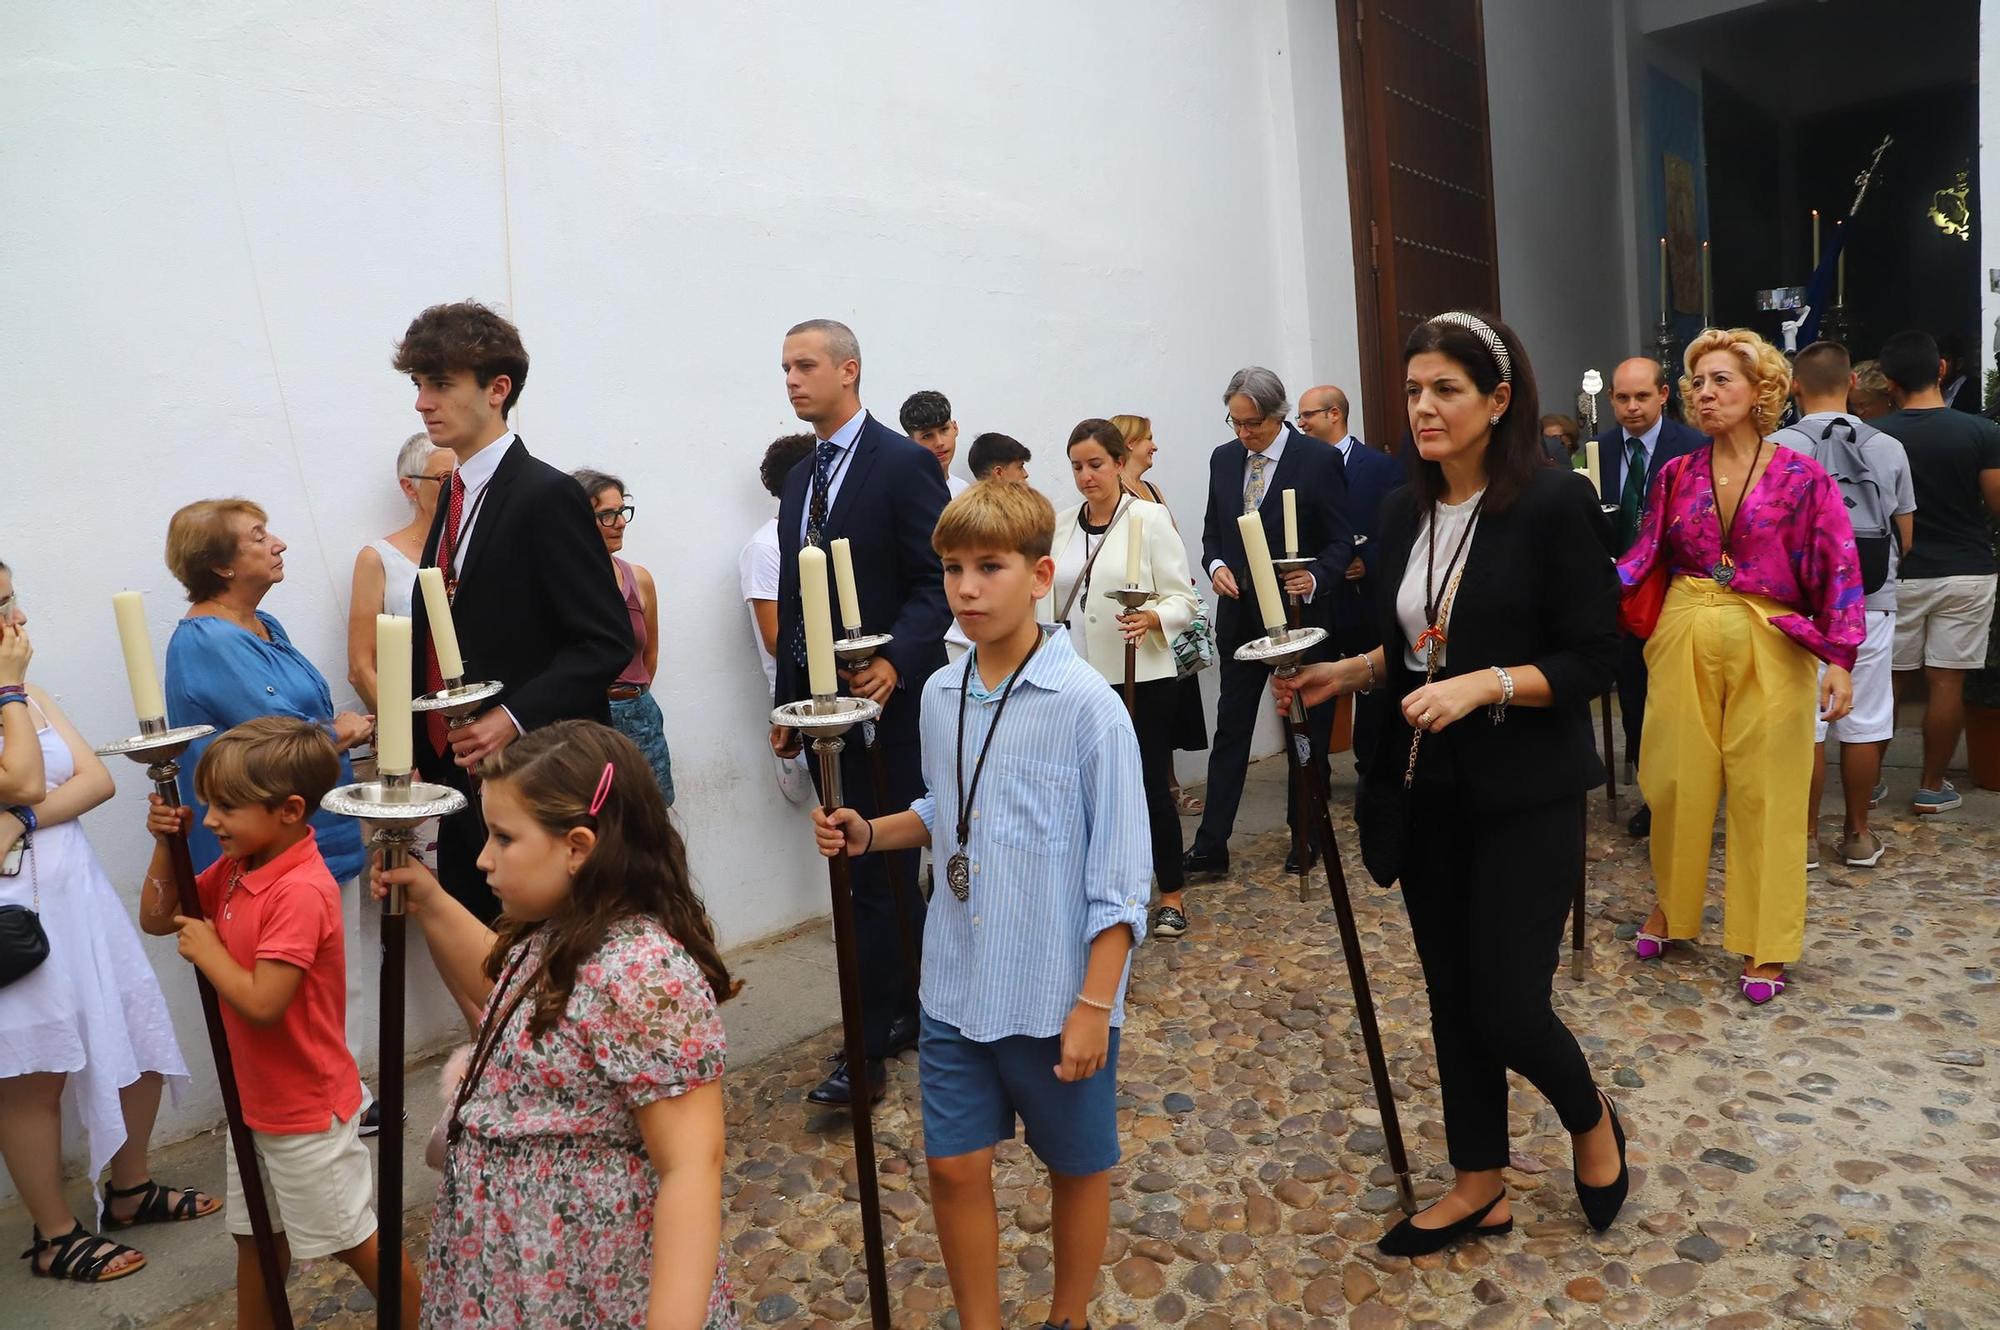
(454,513)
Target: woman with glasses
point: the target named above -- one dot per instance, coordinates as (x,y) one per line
(385,571)
(634,712)
(87,1028)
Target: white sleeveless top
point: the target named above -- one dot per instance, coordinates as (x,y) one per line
(399,578)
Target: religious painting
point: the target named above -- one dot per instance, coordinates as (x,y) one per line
(1683,239)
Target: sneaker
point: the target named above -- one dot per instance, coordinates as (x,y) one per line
(1812,855)
(371,1119)
(1878,794)
(1168,922)
(1937,801)
(795,780)
(1862,851)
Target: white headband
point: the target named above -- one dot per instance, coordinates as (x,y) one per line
(1477,326)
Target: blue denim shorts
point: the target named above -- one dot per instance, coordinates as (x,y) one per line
(973,1091)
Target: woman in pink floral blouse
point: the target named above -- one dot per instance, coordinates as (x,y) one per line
(583,1171)
(1762,583)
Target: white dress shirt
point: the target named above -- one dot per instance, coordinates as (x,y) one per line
(477,473)
(836,470)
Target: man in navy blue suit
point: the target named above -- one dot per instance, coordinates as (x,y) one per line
(865,482)
(1371,474)
(1250,474)
(1630,455)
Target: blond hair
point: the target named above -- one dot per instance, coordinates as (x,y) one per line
(997,515)
(265,761)
(1766,366)
(1132,428)
(200,539)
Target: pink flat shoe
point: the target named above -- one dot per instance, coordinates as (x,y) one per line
(1760,991)
(1649,946)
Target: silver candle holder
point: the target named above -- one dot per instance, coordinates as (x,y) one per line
(458,700)
(857,650)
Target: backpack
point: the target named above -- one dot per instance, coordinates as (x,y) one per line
(1868,507)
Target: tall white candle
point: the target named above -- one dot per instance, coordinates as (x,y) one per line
(1664,311)
(129,608)
(1707,289)
(1590,467)
(1840,269)
(444,634)
(820,678)
(1291,524)
(1134,535)
(1263,575)
(843,580)
(392,694)
(1814,267)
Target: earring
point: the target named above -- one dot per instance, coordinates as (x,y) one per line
(1493,419)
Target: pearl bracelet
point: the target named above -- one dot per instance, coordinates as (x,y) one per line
(1497,711)
(1093,1002)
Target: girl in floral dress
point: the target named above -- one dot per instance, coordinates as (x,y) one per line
(583,1167)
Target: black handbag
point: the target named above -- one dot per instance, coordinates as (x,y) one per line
(1382,812)
(23,943)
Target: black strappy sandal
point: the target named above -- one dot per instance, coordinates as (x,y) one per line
(77,1258)
(153,1207)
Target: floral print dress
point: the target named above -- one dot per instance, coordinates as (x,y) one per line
(545,1212)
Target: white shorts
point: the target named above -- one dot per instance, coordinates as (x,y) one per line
(1874,715)
(1942,622)
(320,1189)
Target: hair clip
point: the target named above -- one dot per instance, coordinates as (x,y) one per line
(603,790)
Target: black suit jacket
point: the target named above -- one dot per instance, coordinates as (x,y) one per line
(537,607)
(1675,440)
(887,507)
(1538,590)
(1313,469)
(1371,475)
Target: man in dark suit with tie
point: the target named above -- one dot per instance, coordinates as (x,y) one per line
(1630,455)
(1251,474)
(532,593)
(883,493)
(1370,474)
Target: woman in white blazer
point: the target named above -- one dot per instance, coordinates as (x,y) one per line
(1092,548)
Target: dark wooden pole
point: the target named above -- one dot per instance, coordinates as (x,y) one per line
(1320,814)
(1132,680)
(1577,907)
(1610,765)
(165,777)
(860,1093)
(395,845)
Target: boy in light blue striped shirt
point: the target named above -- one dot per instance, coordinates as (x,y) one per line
(1037,819)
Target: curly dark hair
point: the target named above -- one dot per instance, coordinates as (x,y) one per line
(779,459)
(468,336)
(637,870)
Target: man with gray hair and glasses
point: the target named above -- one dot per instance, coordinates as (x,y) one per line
(1250,474)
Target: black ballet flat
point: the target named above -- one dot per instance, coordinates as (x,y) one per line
(1406,1239)
(1602,1204)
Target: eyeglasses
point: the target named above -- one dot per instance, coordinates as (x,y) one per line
(8,604)
(419,475)
(1304,416)
(1240,425)
(609,517)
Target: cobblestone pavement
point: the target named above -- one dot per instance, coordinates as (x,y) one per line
(1830,1160)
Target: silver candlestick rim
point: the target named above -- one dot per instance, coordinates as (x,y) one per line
(454,696)
(394,800)
(1291,561)
(1131,597)
(825,717)
(154,740)
(861,644)
(1280,648)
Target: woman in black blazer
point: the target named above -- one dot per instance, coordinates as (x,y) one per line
(1473,796)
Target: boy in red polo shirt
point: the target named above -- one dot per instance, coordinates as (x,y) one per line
(271,946)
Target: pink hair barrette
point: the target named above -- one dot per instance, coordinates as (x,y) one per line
(603,790)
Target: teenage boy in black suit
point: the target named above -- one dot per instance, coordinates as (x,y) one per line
(531,587)
(865,482)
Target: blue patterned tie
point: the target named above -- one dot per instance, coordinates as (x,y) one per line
(815,520)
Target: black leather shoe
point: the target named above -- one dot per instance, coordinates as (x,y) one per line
(1292,861)
(836,1090)
(1641,824)
(1205,863)
(1406,1239)
(902,1035)
(1602,1204)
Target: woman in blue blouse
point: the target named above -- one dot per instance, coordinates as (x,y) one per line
(229,662)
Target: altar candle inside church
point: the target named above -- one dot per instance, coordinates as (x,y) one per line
(1840,283)
(444,634)
(820,679)
(843,581)
(392,694)
(1815,253)
(1664,311)
(129,608)
(1707,288)
(1291,524)
(1590,466)
(1263,576)
(1134,534)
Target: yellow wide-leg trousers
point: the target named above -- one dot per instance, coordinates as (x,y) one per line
(1730,703)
